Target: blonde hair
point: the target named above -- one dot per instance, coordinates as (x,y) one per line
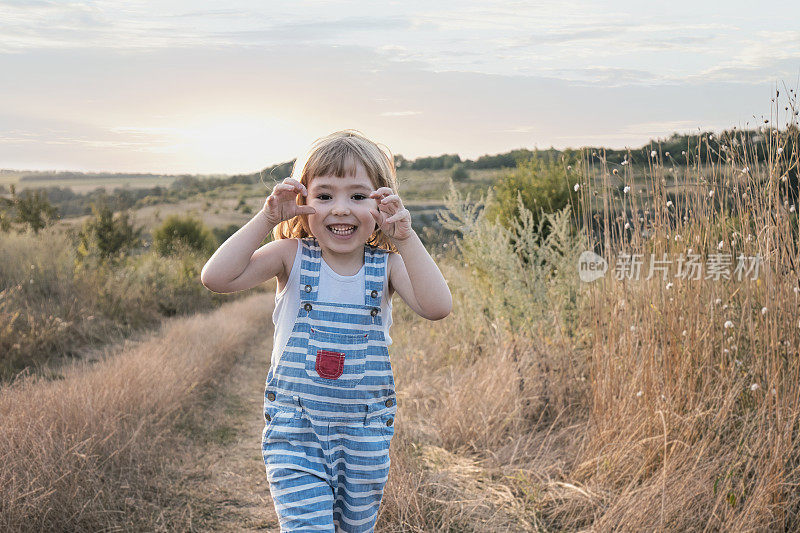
(338,154)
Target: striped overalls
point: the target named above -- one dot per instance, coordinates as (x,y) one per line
(329,406)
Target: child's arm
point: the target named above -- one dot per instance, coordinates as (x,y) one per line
(413,274)
(237,265)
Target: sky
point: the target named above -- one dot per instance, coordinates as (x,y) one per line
(211,87)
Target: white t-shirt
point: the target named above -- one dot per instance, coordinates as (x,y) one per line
(333,287)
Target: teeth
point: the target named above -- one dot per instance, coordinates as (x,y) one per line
(342,230)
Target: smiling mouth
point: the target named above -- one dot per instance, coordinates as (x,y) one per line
(342,229)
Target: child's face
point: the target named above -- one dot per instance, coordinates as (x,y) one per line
(342,222)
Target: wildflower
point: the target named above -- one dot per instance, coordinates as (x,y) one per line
(720,245)
(666,154)
(683,333)
(683,152)
(576,187)
(728,324)
(615,172)
(711,192)
(718,301)
(653,154)
(677,237)
(31,282)
(780,151)
(763,310)
(633,328)
(669,203)
(726,351)
(746,170)
(724,307)
(754,387)
(638,394)
(669,285)
(627,225)
(791,209)
(784,178)
(31,267)
(569,167)
(624,162)
(738,363)
(773,392)
(627,189)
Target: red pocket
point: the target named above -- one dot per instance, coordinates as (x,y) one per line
(330,365)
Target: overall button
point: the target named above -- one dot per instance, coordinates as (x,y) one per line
(271,396)
(308,288)
(266,415)
(389,402)
(374,311)
(390,422)
(307,307)
(374,293)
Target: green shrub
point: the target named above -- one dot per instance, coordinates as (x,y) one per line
(542,186)
(178,233)
(459,173)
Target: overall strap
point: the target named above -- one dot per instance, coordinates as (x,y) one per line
(375,264)
(309,269)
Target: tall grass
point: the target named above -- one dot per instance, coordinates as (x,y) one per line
(52,309)
(545,403)
(86,452)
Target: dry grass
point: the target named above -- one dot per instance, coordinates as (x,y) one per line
(622,405)
(84,453)
(540,404)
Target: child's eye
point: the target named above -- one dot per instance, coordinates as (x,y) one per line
(320,196)
(359,196)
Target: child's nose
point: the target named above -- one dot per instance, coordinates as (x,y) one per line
(340,208)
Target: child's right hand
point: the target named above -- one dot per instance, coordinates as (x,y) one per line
(282,204)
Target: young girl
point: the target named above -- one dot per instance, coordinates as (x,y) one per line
(343,244)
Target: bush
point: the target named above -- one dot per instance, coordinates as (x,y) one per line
(542,186)
(459,173)
(177,233)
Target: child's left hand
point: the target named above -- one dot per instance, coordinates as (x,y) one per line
(392,218)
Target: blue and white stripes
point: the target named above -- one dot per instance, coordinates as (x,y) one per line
(329,403)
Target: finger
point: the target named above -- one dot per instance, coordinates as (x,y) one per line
(283,187)
(305,210)
(381,191)
(398,216)
(378,216)
(296,185)
(392,198)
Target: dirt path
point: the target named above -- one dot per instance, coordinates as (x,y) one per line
(221,483)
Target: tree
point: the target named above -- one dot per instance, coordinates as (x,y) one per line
(32,209)
(106,237)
